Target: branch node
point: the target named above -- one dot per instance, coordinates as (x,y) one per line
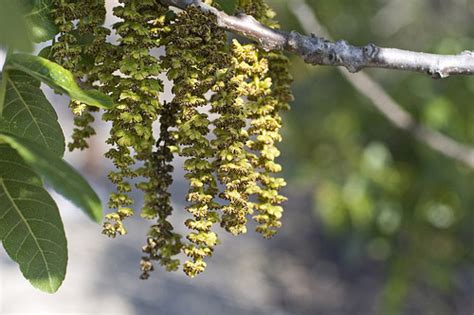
(371,51)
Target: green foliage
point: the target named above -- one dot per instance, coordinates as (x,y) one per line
(27,21)
(57,78)
(228,6)
(31,230)
(28,113)
(39,19)
(11,19)
(32,145)
(378,194)
(249,87)
(58,174)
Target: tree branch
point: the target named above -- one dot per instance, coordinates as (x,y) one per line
(439,66)
(320,51)
(386,104)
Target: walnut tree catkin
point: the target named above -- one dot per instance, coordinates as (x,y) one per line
(193,59)
(269,93)
(232,164)
(223,120)
(136,93)
(81,39)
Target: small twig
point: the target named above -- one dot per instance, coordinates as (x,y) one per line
(320,51)
(385,103)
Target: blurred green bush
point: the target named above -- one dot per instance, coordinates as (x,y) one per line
(412,208)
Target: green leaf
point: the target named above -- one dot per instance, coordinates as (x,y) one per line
(27,113)
(14,31)
(40,21)
(46,52)
(31,229)
(56,77)
(60,175)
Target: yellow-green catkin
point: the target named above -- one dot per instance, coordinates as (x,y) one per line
(233,167)
(163,244)
(81,37)
(193,67)
(135,90)
(66,50)
(269,93)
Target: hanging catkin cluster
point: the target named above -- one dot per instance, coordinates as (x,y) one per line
(81,39)
(269,93)
(136,91)
(194,53)
(223,120)
(233,167)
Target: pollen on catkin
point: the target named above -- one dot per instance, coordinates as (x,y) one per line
(268,94)
(193,56)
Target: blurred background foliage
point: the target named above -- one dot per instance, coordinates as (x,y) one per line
(378,192)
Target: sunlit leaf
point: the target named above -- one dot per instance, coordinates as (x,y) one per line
(58,78)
